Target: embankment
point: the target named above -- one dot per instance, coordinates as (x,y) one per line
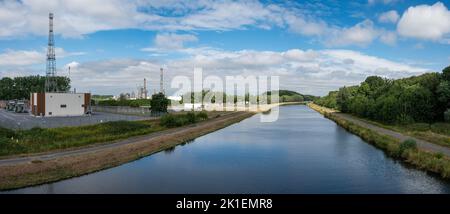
(435,162)
(42,169)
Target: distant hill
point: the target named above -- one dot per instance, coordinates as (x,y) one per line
(292,96)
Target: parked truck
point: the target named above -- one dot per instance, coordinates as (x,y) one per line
(21,106)
(11,105)
(18,106)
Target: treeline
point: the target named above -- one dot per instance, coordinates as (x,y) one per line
(424,98)
(292,96)
(131,103)
(284,96)
(21,87)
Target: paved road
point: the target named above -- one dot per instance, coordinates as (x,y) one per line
(420,143)
(13,120)
(94,148)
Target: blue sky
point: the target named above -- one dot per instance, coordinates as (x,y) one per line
(314,46)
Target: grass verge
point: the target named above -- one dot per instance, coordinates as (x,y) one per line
(406,151)
(39,140)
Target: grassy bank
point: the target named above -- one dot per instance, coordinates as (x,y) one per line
(39,172)
(437,133)
(433,162)
(39,140)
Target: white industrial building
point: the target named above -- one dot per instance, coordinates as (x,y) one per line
(60,104)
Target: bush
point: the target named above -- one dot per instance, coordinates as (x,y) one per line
(170,120)
(202,115)
(408,144)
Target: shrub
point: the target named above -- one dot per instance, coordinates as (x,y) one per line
(439,155)
(203,115)
(6,133)
(408,144)
(170,120)
(191,117)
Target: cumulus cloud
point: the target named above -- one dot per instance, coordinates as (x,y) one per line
(21,57)
(30,57)
(73,18)
(170,42)
(389,17)
(425,22)
(361,34)
(389,38)
(307,71)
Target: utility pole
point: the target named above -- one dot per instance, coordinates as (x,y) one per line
(50,81)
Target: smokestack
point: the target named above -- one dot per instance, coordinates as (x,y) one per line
(161,83)
(145,88)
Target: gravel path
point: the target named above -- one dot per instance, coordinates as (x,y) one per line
(420,143)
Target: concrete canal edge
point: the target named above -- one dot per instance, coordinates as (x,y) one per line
(36,172)
(432,162)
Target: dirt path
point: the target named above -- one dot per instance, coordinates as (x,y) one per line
(118,143)
(420,143)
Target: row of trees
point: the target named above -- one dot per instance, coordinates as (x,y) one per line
(424,98)
(284,96)
(21,87)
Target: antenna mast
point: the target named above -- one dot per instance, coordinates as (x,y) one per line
(50,81)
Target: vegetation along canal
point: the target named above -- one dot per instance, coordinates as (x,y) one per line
(302,152)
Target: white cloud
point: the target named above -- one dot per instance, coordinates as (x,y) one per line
(389,38)
(75,18)
(30,57)
(425,22)
(307,71)
(361,34)
(21,57)
(302,26)
(389,17)
(72,65)
(72,17)
(170,42)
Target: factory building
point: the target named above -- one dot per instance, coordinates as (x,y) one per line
(60,104)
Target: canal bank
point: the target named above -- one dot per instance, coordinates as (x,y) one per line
(301,152)
(427,156)
(34,170)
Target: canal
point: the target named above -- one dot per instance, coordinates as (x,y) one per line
(302,152)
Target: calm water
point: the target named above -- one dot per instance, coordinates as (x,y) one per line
(300,153)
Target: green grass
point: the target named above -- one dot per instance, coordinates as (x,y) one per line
(437,133)
(42,140)
(407,150)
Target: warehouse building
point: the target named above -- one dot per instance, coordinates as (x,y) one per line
(60,104)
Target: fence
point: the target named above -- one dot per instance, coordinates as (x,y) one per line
(123,110)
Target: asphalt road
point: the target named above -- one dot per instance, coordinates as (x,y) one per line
(13,120)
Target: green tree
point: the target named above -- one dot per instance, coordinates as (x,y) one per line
(159,103)
(21,87)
